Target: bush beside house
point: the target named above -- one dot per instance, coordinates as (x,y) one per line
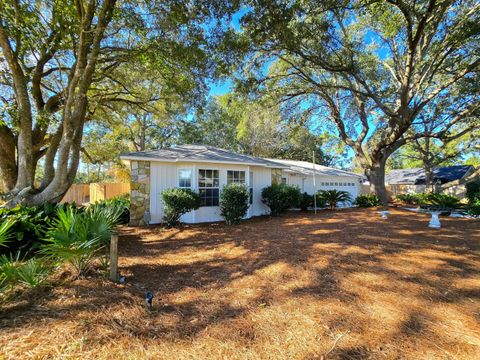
(281,197)
(234,202)
(178,202)
(367,200)
(333,197)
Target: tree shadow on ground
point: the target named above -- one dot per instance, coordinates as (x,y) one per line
(205,275)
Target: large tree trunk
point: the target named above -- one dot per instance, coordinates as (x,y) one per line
(63,153)
(376,176)
(8,163)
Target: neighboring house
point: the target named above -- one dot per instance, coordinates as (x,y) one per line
(207,169)
(407,181)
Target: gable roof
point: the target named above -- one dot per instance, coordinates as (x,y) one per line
(198,153)
(307,168)
(416,176)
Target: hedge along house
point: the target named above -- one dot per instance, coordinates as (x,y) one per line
(207,170)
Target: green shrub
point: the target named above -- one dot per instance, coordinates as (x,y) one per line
(8,271)
(120,204)
(280,197)
(6,233)
(178,202)
(473,191)
(409,199)
(444,200)
(30,225)
(474,208)
(367,200)
(414,199)
(425,199)
(234,202)
(33,272)
(30,273)
(306,201)
(333,197)
(75,238)
(103,219)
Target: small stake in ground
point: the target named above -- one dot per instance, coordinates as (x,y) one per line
(434,221)
(149,299)
(114,257)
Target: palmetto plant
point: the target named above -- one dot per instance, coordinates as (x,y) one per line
(5,231)
(333,197)
(33,272)
(102,220)
(30,273)
(75,238)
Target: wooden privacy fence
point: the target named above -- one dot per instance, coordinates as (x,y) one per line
(104,191)
(78,193)
(91,193)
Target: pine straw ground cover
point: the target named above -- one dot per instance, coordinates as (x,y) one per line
(343,284)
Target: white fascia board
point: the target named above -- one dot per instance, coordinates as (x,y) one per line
(140,158)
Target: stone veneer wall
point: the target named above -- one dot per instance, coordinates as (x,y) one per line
(139,193)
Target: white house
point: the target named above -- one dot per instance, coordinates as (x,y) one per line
(207,170)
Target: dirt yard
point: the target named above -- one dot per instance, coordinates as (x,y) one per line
(340,285)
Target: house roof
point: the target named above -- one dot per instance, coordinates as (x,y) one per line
(199,153)
(416,176)
(307,168)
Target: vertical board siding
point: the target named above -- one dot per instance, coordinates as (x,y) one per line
(165,176)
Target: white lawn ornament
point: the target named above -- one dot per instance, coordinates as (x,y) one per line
(434,221)
(384,214)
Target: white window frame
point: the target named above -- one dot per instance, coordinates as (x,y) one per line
(237,180)
(200,188)
(191,178)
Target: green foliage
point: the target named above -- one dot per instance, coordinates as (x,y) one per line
(367,200)
(306,201)
(474,208)
(29,225)
(259,128)
(8,271)
(30,273)
(234,202)
(473,191)
(328,55)
(333,197)
(281,197)
(33,272)
(119,205)
(6,231)
(413,199)
(178,202)
(444,200)
(426,199)
(76,237)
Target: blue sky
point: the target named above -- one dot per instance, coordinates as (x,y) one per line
(221,87)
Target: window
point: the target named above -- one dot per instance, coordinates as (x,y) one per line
(185,178)
(208,187)
(284,180)
(323,183)
(235,176)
